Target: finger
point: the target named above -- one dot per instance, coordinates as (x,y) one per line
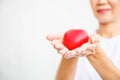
(76,52)
(80,50)
(52,37)
(84,50)
(70,54)
(59,46)
(63,51)
(95,38)
(88,49)
(86,53)
(54,42)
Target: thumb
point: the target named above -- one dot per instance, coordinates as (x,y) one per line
(95,38)
(52,37)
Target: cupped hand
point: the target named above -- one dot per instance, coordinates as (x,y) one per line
(56,41)
(84,50)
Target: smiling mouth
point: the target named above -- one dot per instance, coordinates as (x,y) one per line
(103,11)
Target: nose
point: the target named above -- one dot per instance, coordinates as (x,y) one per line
(102,2)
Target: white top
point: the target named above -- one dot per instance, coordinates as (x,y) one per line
(111,47)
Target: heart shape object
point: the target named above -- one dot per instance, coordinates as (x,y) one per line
(75,38)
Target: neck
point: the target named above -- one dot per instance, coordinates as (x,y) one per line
(109,30)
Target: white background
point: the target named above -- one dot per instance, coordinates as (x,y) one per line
(25,54)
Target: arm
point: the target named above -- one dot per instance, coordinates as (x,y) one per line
(106,69)
(67,69)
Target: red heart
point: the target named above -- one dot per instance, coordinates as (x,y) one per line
(75,38)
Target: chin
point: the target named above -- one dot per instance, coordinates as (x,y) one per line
(105,20)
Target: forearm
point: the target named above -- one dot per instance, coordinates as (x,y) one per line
(104,66)
(67,69)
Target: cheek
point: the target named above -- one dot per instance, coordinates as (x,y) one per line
(93,5)
(116,7)
(115,4)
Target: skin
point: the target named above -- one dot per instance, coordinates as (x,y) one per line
(108,14)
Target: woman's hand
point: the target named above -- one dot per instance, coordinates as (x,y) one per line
(84,50)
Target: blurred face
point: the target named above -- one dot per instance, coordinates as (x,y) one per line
(106,10)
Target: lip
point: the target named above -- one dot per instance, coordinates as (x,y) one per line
(103,11)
